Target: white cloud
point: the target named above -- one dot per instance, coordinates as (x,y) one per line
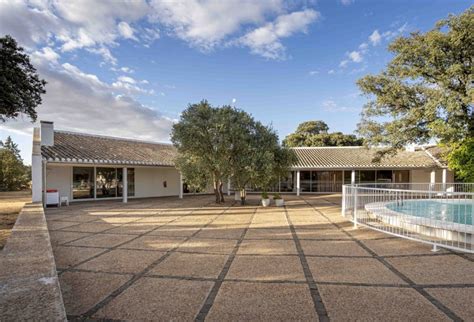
(47,54)
(313,72)
(343,63)
(347,2)
(127,79)
(78,101)
(331,106)
(126,31)
(375,38)
(266,40)
(355,56)
(205,24)
(99,26)
(331,71)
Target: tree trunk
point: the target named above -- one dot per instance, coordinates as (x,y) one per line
(242,197)
(216,192)
(221,194)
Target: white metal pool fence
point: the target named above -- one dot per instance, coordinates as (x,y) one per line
(437,214)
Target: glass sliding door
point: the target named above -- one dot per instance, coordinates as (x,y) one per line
(384,176)
(82,183)
(106,183)
(131,182)
(305,181)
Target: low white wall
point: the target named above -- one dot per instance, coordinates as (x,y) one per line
(60,178)
(149,182)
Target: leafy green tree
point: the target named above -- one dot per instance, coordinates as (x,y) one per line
(20,85)
(14,175)
(315,133)
(461,159)
(312,127)
(12,146)
(215,144)
(426,92)
(261,160)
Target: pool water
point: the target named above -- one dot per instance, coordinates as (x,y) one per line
(454,211)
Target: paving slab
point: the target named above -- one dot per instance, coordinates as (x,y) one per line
(266,268)
(122,261)
(67,256)
(399,246)
(333,248)
(345,303)
(459,300)
(267,247)
(440,269)
(134,228)
(206,245)
(269,233)
(82,290)
(191,265)
(324,233)
(158,299)
(150,242)
(351,270)
(238,301)
(102,240)
(221,232)
(60,237)
(90,227)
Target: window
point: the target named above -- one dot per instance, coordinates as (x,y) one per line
(82,183)
(305,177)
(384,176)
(367,176)
(401,176)
(106,183)
(131,182)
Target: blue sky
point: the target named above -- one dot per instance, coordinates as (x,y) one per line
(130,68)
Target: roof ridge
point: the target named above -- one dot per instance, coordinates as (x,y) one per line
(328,147)
(112,137)
(436,160)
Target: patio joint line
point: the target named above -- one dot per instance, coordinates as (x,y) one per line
(211,297)
(109,249)
(440,306)
(318,303)
(143,273)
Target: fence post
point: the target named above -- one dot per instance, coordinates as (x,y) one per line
(355,206)
(343,212)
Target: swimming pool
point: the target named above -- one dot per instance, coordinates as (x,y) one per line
(452,211)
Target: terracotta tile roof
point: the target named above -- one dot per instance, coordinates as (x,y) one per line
(359,157)
(438,153)
(84,148)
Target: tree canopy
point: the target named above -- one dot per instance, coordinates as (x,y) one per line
(426,91)
(218,143)
(315,133)
(14,175)
(20,85)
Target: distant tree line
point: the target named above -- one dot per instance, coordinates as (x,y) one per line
(315,133)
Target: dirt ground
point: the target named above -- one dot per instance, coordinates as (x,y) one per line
(10,206)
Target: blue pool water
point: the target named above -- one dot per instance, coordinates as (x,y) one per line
(450,211)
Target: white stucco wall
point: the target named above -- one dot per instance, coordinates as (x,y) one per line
(60,178)
(149,182)
(423,176)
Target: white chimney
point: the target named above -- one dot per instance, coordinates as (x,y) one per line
(47,133)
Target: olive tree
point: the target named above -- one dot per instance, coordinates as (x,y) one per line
(218,143)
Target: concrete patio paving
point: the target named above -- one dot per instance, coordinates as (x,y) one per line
(170,259)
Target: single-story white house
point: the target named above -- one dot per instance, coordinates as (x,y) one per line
(90,167)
